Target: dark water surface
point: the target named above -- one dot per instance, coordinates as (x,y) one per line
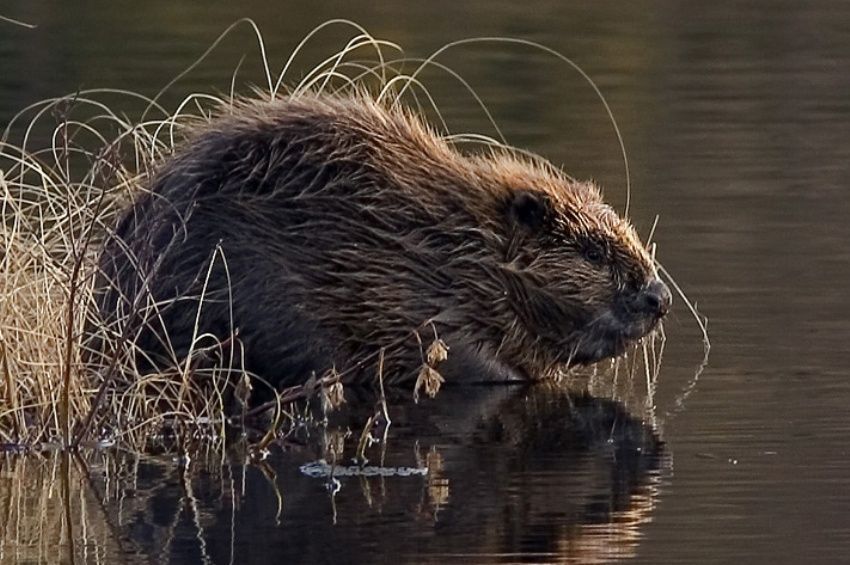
(737,123)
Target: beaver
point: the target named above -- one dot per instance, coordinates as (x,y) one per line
(321,232)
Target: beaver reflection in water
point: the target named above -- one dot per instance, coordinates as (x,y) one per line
(317,230)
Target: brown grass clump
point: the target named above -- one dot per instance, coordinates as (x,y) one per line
(57,204)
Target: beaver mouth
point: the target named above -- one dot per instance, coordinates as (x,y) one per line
(581,338)
(608,336)
(632,317)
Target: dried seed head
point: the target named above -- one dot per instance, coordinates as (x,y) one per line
(430,380)
(243,390)
(437,352)
(333,397)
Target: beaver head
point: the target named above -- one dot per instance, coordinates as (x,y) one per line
(582,284)
(343,225)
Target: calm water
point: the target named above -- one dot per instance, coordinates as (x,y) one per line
(736,119)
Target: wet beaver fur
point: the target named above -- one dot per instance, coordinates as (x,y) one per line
(316,230)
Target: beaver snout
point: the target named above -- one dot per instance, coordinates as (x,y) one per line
(654,299)
(648,304)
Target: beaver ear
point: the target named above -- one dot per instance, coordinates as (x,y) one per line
(530,209)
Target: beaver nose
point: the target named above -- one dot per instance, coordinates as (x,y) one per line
(655,298)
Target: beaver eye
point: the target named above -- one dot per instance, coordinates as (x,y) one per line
(593,254)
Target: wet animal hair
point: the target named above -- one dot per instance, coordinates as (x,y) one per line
(319,230)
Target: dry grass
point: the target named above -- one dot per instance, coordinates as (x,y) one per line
(67,168)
